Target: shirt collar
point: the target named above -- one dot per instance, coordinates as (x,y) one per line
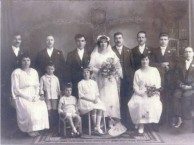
(119,47)
(49,76)
(80,50)
(188,61)
(163,48)
(142,47)
(15,48)
(50,49)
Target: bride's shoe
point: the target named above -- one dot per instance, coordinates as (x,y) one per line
(99,130)
(141,129)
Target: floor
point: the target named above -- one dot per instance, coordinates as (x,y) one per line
(170,136)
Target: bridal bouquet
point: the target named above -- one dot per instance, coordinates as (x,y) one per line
(152,90)
(108,68)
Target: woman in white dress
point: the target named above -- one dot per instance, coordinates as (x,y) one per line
(145,107)
(32,114)
(108,85)
(89,100)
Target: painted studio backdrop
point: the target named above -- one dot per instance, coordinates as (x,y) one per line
(34,19)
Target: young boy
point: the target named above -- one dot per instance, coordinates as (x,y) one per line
(68,110)
(50,89)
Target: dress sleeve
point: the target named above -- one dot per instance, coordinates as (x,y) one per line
(93,64)
(80,90)
(157,78)
(37,83)
(118,65)
(96,89)
(41,86)
(138,85)
(15,89)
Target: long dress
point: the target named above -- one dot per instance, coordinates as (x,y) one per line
(144,109)
(31,116)
(108,88)
(88,89)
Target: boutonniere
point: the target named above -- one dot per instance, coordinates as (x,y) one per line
(149,51)
(192,65)
(169,51)
(58,52)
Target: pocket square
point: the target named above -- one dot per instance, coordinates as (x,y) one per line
(192,65)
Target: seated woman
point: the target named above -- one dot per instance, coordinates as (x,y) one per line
(32,114)
(145,105)
(89,99)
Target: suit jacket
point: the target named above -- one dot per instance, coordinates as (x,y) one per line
(75,65)
(125,60)
(136,61)
(11,64)
(167,77)
(57,58)
(183,75)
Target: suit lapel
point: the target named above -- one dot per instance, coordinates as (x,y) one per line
(191,67)
(77,57)
(117,52)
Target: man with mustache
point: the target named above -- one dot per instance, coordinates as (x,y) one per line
(142,48)
(51,55)
(124,54)
(14,54)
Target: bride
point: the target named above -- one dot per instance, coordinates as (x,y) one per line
(107,72)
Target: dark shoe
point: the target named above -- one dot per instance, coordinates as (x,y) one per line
(155,127)
(78,134)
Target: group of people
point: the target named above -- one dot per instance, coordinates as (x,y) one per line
(131,87)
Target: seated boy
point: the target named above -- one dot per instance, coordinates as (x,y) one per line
(68,111)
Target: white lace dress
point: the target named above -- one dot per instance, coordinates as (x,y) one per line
(108,88)
(144,109)
(31,116)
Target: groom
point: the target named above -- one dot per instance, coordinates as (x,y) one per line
(77,60)
(124,54)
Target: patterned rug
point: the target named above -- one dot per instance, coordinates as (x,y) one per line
(148,137)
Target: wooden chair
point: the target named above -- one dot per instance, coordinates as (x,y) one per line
(90,125)
(65,125)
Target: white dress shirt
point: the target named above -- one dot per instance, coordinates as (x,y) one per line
(15,50)
(50,51)
(141,48)
(163,49)
(188,63)
(119,48)
(80,53)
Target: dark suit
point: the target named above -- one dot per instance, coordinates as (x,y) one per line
(136,60)
(12,63)
(126,88)
(167,78)
(184,99)
(75,68)
(56,58)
